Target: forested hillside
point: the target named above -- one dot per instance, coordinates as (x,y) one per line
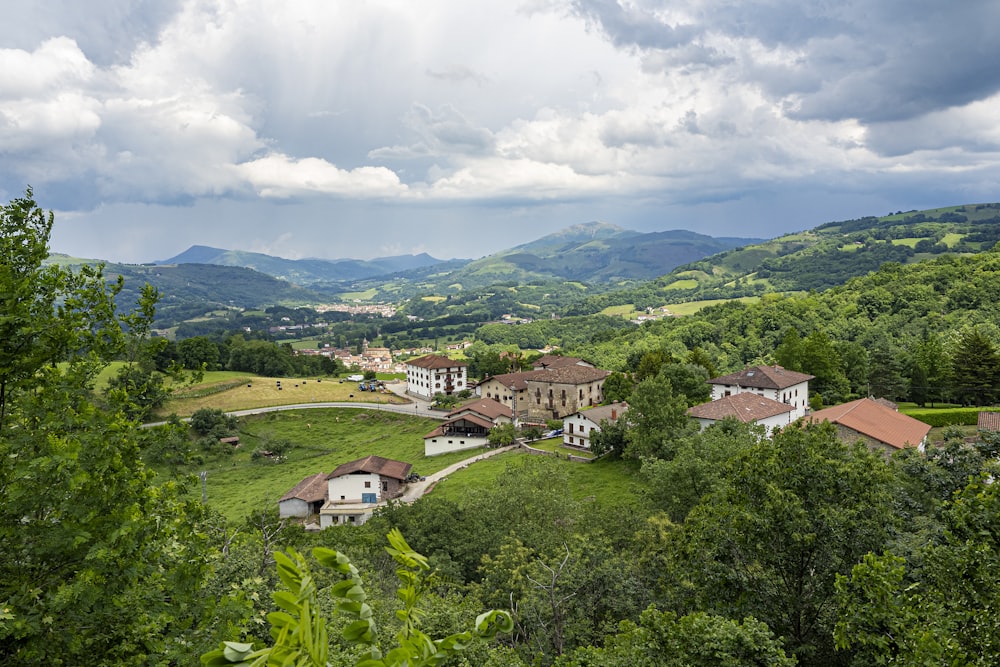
(818,259)
(903,332)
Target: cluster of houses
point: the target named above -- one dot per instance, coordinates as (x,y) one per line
(570,389)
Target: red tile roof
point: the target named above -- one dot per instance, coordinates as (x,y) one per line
(432,361)
(312,489)
(869,417)
(555,361)
(375,465)
(745,406)
(570,374)
(763,377)
(486,407)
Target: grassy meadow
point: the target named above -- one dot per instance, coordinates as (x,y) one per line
(321,440)
(616,481)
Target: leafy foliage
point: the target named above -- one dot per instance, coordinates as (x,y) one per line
(298,629)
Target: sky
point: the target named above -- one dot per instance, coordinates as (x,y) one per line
(371,128)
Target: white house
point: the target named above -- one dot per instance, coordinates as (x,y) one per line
(435,374)
(747,407)
(356,488)
(467,427)
(773,382)
(580,426)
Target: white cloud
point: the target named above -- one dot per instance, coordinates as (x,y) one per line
(412,111)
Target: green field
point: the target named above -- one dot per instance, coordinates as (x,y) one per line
(692,307)
(689,283)
(613,481)
(322,439)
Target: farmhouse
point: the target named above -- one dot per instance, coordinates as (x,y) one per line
(880,427)
(548,393)
(467,427)
(435,374)
(773,382)
(307,497)
(356,488)
(746,407)
(580,426)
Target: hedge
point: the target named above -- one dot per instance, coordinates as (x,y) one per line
(948,416)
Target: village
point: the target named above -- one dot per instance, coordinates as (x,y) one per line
(568,390)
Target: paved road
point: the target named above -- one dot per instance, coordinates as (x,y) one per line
(415,490)
(418,407)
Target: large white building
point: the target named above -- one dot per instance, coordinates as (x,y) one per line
(435,374)
(773,382)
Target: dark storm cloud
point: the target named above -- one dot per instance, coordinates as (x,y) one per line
(871,60)
(107,31)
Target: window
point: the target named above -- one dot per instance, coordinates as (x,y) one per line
(385,486)
(368,485)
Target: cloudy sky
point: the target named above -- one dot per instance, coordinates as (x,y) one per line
(366,128)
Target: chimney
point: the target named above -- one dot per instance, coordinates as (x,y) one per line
(614,413)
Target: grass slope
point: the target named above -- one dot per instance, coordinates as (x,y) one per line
(322,439)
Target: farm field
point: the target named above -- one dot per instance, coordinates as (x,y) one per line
(240,391)
(321,440)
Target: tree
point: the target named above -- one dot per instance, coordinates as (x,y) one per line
(49,314)
(940,611)
(501,435)
(611,438)
(617,387)
(661,639)
(299,630)
(975,369)
(99,564)
(657,417)
(789,516)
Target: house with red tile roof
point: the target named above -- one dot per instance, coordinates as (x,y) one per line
(747,407)
(878,426)
(356,488)
(773,382)
(548,393)
(307,497)
(467,427)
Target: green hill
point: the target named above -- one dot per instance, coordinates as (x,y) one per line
(824,257)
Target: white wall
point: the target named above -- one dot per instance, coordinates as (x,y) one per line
(352,486)
(293,507)
(443,444)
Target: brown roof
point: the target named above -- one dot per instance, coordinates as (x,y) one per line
(312,489)
(745,406)
(602,412)
(486,407)
(763,377)
(375,465)
(571,374)
(431,361)
(567,375)
(989,421)
(556,361)
(869,417)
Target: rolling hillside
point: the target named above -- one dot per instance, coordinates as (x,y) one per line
(305,272)
(824,257)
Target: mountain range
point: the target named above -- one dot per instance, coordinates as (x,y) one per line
(593,252)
